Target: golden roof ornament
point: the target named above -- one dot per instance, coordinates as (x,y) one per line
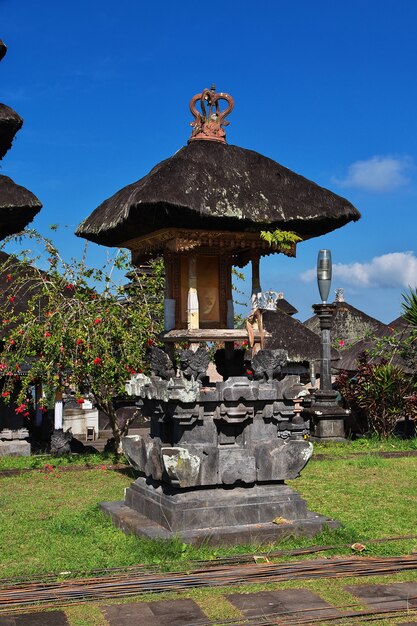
(208,125)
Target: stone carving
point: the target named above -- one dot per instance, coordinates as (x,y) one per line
(160,363)
(61,442)
(194,364)
(268,363)
(238,431)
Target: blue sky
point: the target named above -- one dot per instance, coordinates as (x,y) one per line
(324,87)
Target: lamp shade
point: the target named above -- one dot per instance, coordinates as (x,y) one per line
(324,273)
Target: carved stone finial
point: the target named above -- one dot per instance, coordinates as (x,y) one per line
(161,364)
(268,363)
(209,123)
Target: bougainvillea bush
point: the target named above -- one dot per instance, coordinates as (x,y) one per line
(72,325)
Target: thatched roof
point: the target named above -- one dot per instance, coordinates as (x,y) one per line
(3,49)
(10,123)
(290,334)
(18,207)
(212,186)
(349,324)
(349,358)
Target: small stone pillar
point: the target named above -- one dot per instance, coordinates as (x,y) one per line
(327,417)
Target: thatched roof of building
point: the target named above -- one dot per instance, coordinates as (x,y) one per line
(3,49)
(349,324)
(18,207)
(10,123)
(349,358)
(214,186)
(288,333)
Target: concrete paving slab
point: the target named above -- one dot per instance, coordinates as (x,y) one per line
(395,596)
(47,618)
(296,602)
(158,613)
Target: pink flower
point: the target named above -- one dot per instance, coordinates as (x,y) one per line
(341,343)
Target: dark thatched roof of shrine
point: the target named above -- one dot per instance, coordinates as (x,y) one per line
(288,333)
(10,123)
(349,324)
(349,358)
(18,207)
(3,49)
(215,186)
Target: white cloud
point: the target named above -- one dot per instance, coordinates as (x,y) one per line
(393,270)
(379,173)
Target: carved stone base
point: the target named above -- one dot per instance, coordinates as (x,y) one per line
(215,516)
(327,418)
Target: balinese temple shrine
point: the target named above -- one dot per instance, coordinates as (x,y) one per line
(213,465)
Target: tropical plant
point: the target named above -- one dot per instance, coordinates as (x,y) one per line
(284,239)
(76,326)
(409,306)
(382,391)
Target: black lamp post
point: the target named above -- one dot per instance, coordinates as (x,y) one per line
(327,418)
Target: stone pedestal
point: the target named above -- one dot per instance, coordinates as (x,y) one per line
(215,460)
(214,516)
(327,417)
(15,447)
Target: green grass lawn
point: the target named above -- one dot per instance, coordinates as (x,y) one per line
(50,521)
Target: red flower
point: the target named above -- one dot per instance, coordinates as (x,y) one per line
(44,409)
(21,409)
(80,400)
(12,342)
(70,287)
(341,343)
(78,342)
(26,414)
(97,320)
(47,334)
(130,369)
(9,278)
(11,299)
(6,321)
(3,366)
(5,394)
(249,372)
(150,342)
(62,349)
(97,361)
